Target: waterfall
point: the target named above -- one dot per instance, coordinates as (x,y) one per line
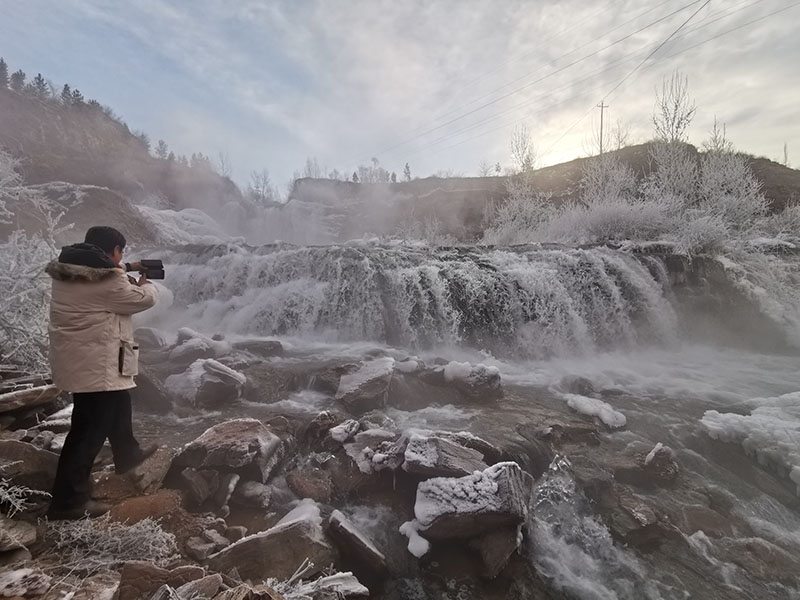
(532,302)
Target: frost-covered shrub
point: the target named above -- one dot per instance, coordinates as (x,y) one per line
(15,498)
(92,545)
(675,172)
(607,177)
(728,190)
(519,218)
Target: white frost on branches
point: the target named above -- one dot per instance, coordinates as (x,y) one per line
(23,255)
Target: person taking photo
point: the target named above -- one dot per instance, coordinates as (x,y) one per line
(93,356)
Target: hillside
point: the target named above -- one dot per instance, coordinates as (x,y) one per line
(82,144)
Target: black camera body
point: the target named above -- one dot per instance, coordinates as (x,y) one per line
(152,269)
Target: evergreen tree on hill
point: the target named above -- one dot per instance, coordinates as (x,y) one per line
(40,89)
(66,95)
(162,150)
(3,74)
(18,81)
(77,98)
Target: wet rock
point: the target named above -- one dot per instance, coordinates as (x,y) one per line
(16,534)
(28,398)
(317,429)
(437,457)
(15,557)
(356,545)
(376,419)
(474,505)
(759,558)
(200,484)
(479,384)
(218,385)
(27,465)
(368,387)
(267,383)
(252,494)
(246,446)
(573,384)
(277,552)
(43,439)
(327,380)
(701,518)
(141,579)
(150,393)
(312,482)
(192,346)
(227,484)
(260,348)
(346,477)
(635,522)
(660,464)
(496,548)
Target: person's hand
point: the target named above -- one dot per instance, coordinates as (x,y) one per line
(143,280)
(136,266)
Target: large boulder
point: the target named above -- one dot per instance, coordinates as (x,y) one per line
(267,383)
(474,505)
(207,383)
(245,446)
(496,548)
(26,465)
(260,348)
(356,545)
(279,551)
(437,457)
(150,393)
(368,387)
(192,346)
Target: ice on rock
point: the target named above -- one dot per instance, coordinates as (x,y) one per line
(417,545)
(771,432)
(596,408)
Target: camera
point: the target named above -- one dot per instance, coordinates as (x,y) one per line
(152,269)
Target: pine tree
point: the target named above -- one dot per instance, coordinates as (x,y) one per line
(162,150)
(18,81)
(77,98)
(407,172)
(66,95)
(40,88)
(3,74)
(171,156)
(355,177)
(394,177)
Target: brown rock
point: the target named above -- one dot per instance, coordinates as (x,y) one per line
(277,552)
(205,587)
(16,534)
(367,388)
(200,484)
(262,348)
(149,475)
(267,383)
(139,580)
(156,506)
(245,445)
(311,482)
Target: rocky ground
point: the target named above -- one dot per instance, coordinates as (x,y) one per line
(250,496)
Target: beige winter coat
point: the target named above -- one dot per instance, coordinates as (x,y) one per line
(91,335)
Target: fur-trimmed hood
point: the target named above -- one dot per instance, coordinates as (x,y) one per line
(66,272)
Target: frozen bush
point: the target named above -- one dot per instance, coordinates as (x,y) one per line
(92,545)
(16,498)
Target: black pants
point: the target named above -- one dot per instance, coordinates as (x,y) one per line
(95,417)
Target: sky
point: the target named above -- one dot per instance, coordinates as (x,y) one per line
(441,84)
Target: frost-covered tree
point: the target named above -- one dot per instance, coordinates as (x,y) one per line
(261,189)
(312,169)
(394,177)
(523,152)
(484,169)
(3,74)
(355,177)
(18,80)
(23,255)
(407,172)
(674,109)
(162,150)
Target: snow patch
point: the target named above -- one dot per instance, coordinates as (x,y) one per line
(596,408)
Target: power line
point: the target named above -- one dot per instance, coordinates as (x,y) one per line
(515,91)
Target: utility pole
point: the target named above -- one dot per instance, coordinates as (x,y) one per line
(602,106)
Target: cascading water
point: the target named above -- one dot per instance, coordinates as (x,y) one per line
(531,302)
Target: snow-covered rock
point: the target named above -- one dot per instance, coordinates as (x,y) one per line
(467,507)
(246,446)
(596,408)
(207,383)
(437,457)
